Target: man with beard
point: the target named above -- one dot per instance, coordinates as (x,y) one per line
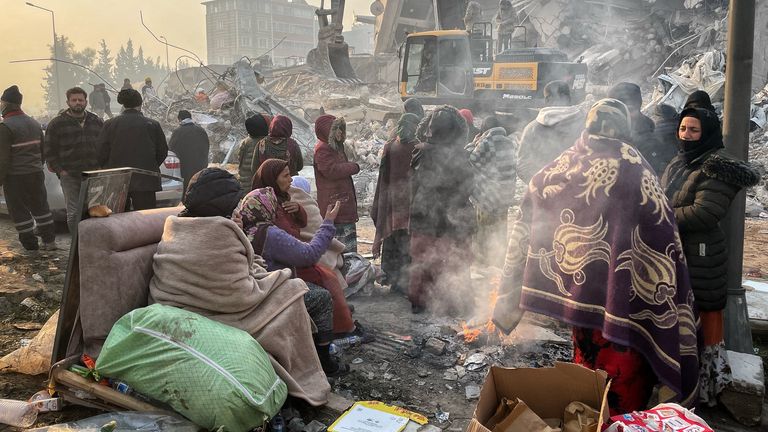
(70,148)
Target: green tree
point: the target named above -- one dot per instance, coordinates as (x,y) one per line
(69,75)
(104,66)
(125,63)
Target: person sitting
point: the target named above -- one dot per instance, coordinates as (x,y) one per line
(205,264)
(291,218)
(258,212)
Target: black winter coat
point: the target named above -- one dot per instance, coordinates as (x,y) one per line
(190,144)
(657,153)
(132,140)
(701,193)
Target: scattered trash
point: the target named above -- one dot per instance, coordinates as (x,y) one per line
(17,413)
(38,278)
(357,360)
(32,304)
(126,421)
(450,375)
(442,416)
(476,362)
(34,356)
(315,426)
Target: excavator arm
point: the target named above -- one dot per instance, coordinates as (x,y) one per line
(331,56)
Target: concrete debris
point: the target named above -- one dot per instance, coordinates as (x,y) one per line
(472,392)
(744,396)
(315,426)
(450,375)
(435,346)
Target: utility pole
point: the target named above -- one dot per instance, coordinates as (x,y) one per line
(55,53)
(738,93)
(167,57)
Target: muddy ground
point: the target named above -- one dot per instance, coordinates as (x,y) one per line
(397,368)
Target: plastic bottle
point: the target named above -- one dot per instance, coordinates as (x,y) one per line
(17,413)
(348,341)
(277,424)
(333,349)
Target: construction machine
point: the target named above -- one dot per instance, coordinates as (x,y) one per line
(461,68)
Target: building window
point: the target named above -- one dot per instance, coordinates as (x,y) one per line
(221,43)
(220,24)
(245,41)
(261,25)
(263,43)
(245,23)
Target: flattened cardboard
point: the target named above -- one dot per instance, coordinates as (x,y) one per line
(547,391)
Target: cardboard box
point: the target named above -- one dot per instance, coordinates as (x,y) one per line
(547,391)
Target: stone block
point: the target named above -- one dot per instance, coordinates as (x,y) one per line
(743,398)
(435,346)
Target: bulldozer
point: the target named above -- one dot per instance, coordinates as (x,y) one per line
(331,56)
(462,68)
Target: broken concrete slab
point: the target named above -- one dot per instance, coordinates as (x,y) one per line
(16,293)
(472,392)
(743,398)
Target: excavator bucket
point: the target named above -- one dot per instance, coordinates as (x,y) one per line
(332,60)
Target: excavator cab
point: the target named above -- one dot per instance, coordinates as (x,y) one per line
(437,67)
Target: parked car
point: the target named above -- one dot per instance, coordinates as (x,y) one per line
(170,196)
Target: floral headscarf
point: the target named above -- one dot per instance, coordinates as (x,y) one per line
(258,211)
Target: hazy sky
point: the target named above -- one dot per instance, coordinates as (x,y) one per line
(28,32)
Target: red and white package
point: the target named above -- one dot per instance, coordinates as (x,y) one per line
(662,418)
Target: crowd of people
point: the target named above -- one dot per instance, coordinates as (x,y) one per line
(617,234)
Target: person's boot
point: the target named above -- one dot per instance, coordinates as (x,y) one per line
(29,241)
(331,367)
(50,246)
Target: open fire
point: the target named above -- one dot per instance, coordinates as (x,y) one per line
(471,333)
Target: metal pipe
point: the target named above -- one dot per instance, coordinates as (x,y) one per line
(738,92)
(55,53)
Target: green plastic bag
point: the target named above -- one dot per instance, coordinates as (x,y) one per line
(213,374)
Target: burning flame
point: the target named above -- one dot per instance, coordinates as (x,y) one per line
(471,334)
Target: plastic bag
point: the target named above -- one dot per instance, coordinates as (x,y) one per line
(35,358)
(360,276)
(127,421)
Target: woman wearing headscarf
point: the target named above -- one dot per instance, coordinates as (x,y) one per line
(281,250)
(278,144)
(205,264)
(701,183)
(391,204)
(442,220)
(595,245)
(257,127)
(290,217)
(333,176)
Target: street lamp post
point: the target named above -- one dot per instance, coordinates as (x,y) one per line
(55,52)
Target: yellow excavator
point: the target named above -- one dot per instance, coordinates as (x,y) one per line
(460,68)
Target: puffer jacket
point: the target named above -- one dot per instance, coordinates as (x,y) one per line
(701,193)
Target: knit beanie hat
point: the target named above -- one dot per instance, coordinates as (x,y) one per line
(211,192)
(609,118)
(184,114)
(627,93)
(129,98)
(12,95)
(257,126)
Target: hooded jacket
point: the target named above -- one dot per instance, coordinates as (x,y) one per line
(553,131)
(442,179)
(333,173)
(279,145)
(701,191)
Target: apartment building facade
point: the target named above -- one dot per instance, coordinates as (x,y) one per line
(284,30)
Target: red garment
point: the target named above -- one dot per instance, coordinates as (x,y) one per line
(632,379)
(391,210)
(467,114)
(342,316)
(439,270)
(333,177)
(281,127)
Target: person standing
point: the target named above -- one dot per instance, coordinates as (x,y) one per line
(132,140)
(391,204)
(595,246)
(100,101)
(126,84)
(506,19)
(257,127)
(333,176)
(278,144)
(21,173)
(71,147)
(701,183)
(190,144)
(657,154)
(555,129)
(442,220)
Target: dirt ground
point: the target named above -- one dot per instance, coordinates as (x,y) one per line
(396,369)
